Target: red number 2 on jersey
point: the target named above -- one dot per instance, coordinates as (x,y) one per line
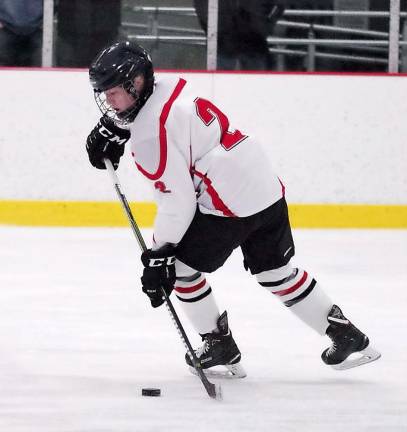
(208,112)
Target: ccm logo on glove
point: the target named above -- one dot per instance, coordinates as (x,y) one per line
(158,274)
(158,262)
(111,136)
(106,141)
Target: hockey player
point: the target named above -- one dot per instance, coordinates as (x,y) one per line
(215,191)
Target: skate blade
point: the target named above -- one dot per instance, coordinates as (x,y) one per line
(367,355)
(231,371)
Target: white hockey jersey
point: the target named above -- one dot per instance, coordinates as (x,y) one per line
(185,145)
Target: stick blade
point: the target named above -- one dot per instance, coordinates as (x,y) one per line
(215,391)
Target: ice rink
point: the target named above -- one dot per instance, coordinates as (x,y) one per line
(78,339)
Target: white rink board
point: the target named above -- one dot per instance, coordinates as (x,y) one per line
(333,139)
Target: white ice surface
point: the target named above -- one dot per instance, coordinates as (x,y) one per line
(78,339)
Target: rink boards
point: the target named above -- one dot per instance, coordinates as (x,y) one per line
(336,141)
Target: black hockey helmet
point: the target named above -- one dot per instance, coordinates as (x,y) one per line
(118,65)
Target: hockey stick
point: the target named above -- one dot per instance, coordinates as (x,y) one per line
(214,391)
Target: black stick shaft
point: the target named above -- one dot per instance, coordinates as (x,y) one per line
(210,388)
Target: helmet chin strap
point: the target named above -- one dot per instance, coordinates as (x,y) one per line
(124,115)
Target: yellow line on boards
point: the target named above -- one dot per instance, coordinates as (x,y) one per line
(74,213)
(110,214)
(348,216)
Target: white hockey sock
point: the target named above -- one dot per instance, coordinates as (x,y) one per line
(198,302)
(301,293)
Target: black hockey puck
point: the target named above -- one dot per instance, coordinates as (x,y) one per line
(151,392)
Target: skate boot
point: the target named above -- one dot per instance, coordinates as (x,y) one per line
(346,340)
(219,349)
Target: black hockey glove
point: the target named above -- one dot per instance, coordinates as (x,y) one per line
(106,141)
(158,273)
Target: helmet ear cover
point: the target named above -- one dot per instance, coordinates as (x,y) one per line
(130,89)
(118,65)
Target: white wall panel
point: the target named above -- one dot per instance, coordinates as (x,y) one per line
(332,139)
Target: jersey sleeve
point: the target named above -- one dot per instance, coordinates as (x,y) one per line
(175,198)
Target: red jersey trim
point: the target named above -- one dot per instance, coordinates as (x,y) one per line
(216,199)
(282,186)
(163,133)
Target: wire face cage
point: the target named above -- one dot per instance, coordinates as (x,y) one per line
(123,118)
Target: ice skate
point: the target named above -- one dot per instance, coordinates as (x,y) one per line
(219,355)
(350,347)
